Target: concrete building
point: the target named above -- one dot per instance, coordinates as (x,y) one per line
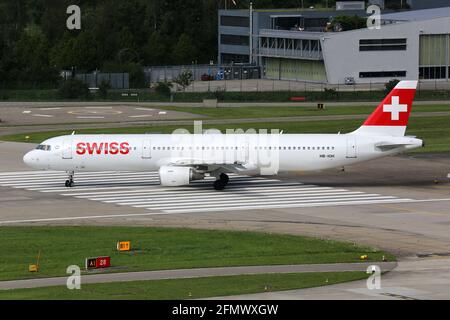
(294,45)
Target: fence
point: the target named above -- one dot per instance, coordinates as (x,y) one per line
(266,85)
(115,80)
(199,72)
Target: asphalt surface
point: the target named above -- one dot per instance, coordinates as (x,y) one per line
(418,232)
(195,273)
(415,279)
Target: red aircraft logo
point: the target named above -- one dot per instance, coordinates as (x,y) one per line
(103,148)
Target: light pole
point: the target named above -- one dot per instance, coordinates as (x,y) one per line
(251,32)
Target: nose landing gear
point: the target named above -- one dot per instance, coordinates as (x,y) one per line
(69,182)
(220,183)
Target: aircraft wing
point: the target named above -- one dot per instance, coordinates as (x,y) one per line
(213,165)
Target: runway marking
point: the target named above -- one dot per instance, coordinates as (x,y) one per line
(98,107)
(142,190)
(141,116)
(79,117)
(42,115)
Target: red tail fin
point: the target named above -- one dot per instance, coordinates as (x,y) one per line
(392,114)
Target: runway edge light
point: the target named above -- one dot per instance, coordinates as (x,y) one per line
(35,267)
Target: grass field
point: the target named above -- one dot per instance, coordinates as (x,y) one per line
(187,288)
(162,248)
(434,130)
(261,96)
(269,112)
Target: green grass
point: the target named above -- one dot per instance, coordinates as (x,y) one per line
(186,288)
(267,96)
(269,112)
(434,130)
(162,248)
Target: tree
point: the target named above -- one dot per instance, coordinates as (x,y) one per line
(155,51)
(32,57)
(164,89)
(184,79)
(349,22)
(184,51)
(390,85)
(74,89)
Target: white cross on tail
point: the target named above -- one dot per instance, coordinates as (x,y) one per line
(395,108)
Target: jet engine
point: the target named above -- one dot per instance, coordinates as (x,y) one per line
(178,176)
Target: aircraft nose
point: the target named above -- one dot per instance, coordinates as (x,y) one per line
(29,158)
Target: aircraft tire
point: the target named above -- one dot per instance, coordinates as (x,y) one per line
(219,184)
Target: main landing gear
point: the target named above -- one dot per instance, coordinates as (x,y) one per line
(69,182)
(220,183)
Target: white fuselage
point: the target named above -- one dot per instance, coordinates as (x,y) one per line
(258,154)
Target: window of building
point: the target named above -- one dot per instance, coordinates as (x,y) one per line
(432,72)
(382,74)
(228,58)
(234,40)
(234,21)
(382,44)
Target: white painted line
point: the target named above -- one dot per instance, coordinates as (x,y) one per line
(144,109)
(26,111)
(88,117)
(287,206)
(49,174)
(83,182)
(200,195)
(228,204)
(156,187)
(178,211)
(93,178)
(153,193)
(98,107)
(44,181)
(174,190)
(221,199)
(45,109)
(111,180)
(43,115)
(162,112)
(141,116)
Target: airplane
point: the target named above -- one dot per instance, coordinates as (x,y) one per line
(182,157)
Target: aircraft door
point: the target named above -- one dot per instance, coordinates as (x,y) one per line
(351,147)
(67,149)
(146,148)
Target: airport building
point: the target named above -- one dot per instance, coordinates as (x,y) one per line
(297,45)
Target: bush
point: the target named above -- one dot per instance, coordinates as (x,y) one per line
(163,89)
(184,79)
(103,89)
(220,94)
(330,93)
(74,89)
(388,86)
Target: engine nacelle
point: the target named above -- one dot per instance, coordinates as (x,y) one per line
(178,176)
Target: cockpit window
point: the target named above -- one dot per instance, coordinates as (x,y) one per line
(44,147)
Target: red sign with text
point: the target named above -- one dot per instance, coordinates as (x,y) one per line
(98,262)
